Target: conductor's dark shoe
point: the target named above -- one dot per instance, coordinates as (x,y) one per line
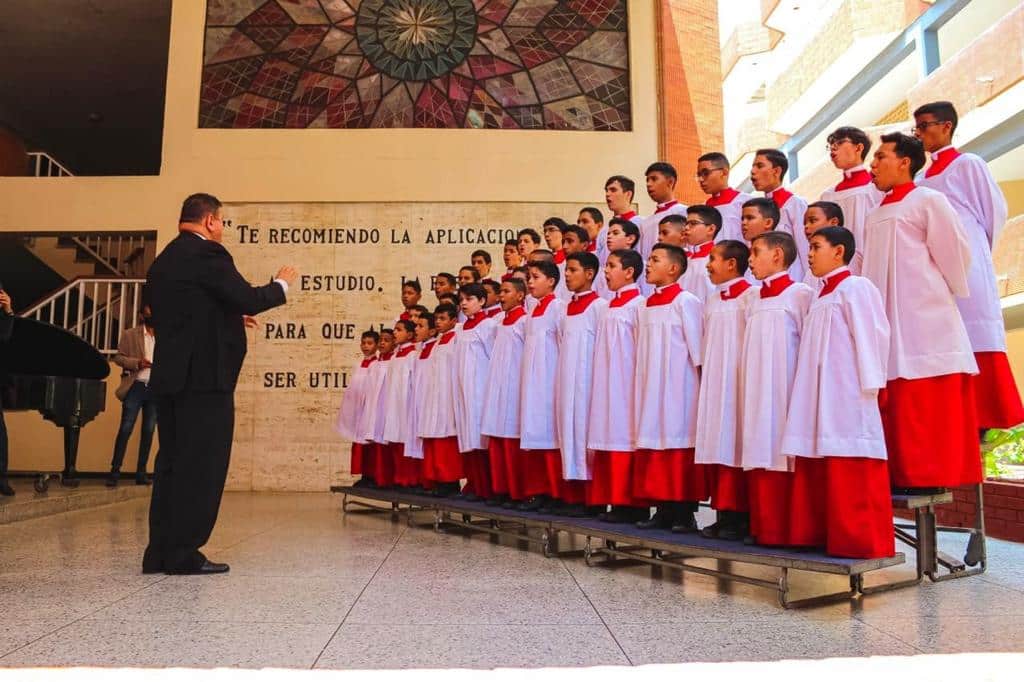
(149,569)
(685,523)
(662,519)
(5,489)
(208,568)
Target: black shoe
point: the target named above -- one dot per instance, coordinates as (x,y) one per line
(532,504)
(208,568)
(685,522)
(737,529)
(361,483)
(576,511)
(5,489)
(149,570)
(551,506)
(749,540)
(711,532)
(662,520)
(496,501)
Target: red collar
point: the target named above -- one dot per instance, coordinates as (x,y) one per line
(735,289)
(702,251)
(776,286)
(858,177)
(507,276)
(898,192)
(592,246)
(406,349)
(405,315)
(427,347)
(941,160)
(832,280)
(581,302)
(513,316)
(780,196)
(624,296)
(493,311)
(367,362)
(665,296)
(628,215)
(559,256)
(721,198)
(542,305)
(447,337)
(387,356)
(666,206)
(475,320)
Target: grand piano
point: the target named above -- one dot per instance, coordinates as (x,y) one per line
(58,374)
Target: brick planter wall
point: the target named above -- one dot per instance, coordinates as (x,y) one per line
(1004,510)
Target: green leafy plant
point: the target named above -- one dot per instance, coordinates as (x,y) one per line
(1003,448)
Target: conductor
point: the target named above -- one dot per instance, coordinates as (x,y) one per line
(198,300)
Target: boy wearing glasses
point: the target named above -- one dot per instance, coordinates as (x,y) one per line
(966,182)
(703,225)
(766,173)
(713,176)
(855,194)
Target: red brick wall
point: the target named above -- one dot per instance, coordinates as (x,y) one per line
(1004,510)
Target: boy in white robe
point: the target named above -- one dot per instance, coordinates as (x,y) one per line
(766,173)
(917,253)
(669,340)
(493,305)
(713,176)
(771,340)
(703,223)
(409,471)
(500,418)
(370,428)
(592,220)
(353,402)
(818,215)
(855,194)
(719,440)
(761,215)
(970,188)
(395,410)
(443,465)
(473,347)
(574,377)
(840,496)
(661,180)
(612,426)
(538,435)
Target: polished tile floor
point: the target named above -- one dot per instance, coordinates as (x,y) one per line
(311,588)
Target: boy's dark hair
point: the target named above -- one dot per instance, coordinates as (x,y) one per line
(519,284)
(490,285)
(483,254)
(538,255)
(733,249)
(675,254)
(854,135)
(718,158)
(708,215)
(448,277)
(942,111)
(775,158)
(523,270)
(587,261)
(512,243)
(430,319)
(630,258)
(474,291)
(580,233)
(830,208)
(447,309)
(625,183)
(628,227)
(675,219)
(548,269)
(557,222)
(529,232)
(766,207)
(451,297)
(421,309)
(370,334)
(594,214)
(470,268)
(907,147)
(839,236)
(198,206)
(413,284)
(388,331)
(779,240)
(408,325)
(663,167)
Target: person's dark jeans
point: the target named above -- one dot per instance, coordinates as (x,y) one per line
(138,398)
(3,444)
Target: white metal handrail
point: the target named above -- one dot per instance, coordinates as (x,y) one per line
(45,166)
(115,252)
(95,308)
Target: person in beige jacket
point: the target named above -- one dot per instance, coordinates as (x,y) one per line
(135,356)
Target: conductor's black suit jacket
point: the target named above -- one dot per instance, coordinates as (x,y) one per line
(198,298)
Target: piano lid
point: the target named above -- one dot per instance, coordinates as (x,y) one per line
(39,348)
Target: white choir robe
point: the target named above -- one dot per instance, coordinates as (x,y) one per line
(353,402)
(979,203)
(649,228)
(562,291)
(437,418)
(718,408)
(841,365)
(814,282)
(611,425)
(669,342)
(396,400)
(500,416)
(530,303)
(916,253)
(537,387)
(371,422)
(730,204)
(856,203)
(574,383)
(770,345)
(696,279)
(473,348)
(791,220)
(419,394)
(602,246)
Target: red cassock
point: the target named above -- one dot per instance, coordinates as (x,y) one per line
(442,461)
(383,463)
(477,465)
(356,465)
(669,476)
(996,398)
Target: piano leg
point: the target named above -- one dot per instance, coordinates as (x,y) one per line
(69,477)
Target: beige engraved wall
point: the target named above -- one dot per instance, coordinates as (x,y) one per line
(300,356)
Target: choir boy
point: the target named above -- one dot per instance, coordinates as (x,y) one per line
(713,177)
(661,187)
(528,240)
(592,220)
(510,257)
(445,283)
(575,239)
(917,253)
(769,356)
(840,499)
(669,339)
(553,229)
(500,418)
(481,261)
(703,223)
(719,439)
(574,375)
(353,402)
(412,291)
(819,215)
(468,275)
(968,185)
(761,215)
(538,437)
(855,194)
(770,166)
(611,427)
(492,289)
(622,234)
(473,348)
(376,457)
(619,192)
(442,463)
(409,471)
(394,408)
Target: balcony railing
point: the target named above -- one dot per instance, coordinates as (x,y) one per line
(96,309)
